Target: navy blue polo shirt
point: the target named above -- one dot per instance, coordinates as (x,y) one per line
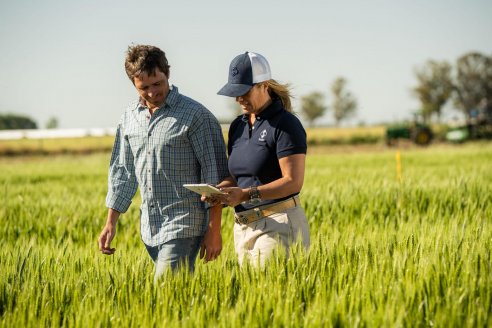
(254,151)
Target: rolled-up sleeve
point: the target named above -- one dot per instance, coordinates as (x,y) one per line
(122,183)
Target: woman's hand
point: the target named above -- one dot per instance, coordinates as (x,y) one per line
(234,196)
(213,200)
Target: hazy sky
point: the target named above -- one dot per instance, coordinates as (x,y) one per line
(65,58)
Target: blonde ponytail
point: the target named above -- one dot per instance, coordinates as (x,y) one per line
(282,91)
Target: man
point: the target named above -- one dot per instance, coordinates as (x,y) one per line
(165,140)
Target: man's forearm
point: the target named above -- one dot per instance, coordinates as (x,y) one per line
(113,216)
(215,218)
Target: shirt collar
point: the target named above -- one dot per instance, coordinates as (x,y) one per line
(171,99)
(274,108)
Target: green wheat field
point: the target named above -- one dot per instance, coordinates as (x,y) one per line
(389,249)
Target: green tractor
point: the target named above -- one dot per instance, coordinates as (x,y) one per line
(420,133)
(478,126)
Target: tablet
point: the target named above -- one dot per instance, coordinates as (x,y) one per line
(203,189)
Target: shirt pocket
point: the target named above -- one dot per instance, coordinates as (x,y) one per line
(170,134)
(174,151)
(136,139)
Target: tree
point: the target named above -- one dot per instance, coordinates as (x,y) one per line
(434,87)
(344,103)
(16,122)
(52,123)
(473,82)
(312,106)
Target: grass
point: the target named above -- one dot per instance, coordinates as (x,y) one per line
(408,253)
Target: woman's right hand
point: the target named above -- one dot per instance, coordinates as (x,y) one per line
(234,196)
(215,200)
(212,200)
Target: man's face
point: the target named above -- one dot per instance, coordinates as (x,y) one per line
(152,88)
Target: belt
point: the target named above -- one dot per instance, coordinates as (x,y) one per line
(246,217)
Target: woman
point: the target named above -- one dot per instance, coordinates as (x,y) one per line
(267,152)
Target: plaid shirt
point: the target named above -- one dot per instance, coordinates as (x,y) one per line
(180,143)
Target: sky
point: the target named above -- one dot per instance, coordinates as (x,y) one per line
(65,59)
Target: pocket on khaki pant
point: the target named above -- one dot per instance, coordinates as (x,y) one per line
(299,225)
(278,226)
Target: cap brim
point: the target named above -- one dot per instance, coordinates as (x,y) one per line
(234,90)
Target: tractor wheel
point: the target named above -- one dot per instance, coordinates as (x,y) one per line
(422,137)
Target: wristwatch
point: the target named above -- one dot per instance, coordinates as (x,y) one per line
(254,195)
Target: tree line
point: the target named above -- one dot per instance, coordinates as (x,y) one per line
(22,122)
(16,122)
(468,84)
(344,103)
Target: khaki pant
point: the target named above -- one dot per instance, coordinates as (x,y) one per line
(256,241)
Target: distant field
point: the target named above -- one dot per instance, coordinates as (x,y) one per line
(56,146)
(352,136)
(316,136)
(414,252)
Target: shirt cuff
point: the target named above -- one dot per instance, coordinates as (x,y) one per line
(120,204)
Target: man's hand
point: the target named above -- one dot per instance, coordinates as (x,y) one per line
(108,233)
(212,241)
(105,238)
(211,245)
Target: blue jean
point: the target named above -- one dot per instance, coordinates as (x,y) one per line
(175,253)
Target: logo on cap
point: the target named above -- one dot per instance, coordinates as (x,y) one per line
(234,71)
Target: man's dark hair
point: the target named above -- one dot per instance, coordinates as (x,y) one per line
(145,59)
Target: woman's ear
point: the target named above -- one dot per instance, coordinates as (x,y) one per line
(264,87)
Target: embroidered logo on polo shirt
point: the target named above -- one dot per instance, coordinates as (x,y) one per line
(262,135)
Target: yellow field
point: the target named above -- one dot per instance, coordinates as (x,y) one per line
(56,146)
(316,136)
(333,135)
